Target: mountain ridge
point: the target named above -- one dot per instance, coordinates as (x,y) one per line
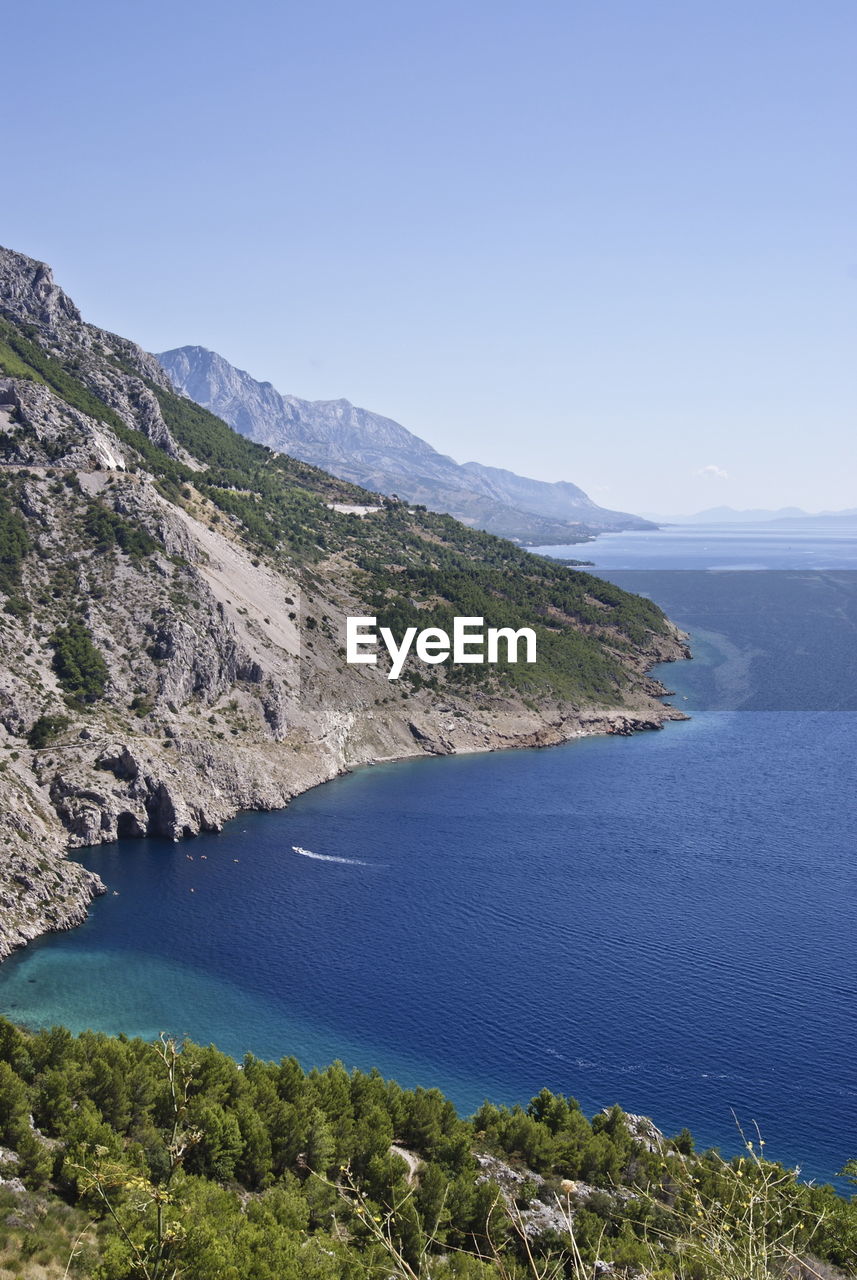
(379,453)
(783,517)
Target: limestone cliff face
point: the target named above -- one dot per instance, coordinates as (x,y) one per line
(157,678)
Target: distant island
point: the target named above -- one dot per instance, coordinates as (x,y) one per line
(783,517)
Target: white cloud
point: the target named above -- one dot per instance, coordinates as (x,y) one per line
(713,472)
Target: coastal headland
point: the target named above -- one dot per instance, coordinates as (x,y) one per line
(175,600)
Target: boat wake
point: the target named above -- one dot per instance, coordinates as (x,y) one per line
(328,857)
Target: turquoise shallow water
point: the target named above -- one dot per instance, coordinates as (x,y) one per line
(664,920)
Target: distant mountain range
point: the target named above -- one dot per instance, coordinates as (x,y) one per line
(384,456)
(782,516)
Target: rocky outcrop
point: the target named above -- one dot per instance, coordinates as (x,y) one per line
(547,1205)
(29,291)
(643,1130)
(38,429)
(108,365)
(41,891)
(538,1205)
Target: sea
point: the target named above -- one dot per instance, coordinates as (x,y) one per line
(666,921)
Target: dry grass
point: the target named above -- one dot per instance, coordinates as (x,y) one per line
(44,1243)
(750,1228)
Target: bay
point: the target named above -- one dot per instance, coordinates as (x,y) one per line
(665,921)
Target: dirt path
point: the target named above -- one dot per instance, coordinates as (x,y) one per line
(412,1160)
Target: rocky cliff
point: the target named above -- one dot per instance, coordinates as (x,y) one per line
(381,454)
(172,602)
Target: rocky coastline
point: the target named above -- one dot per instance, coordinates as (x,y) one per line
(220,671)
(100,790)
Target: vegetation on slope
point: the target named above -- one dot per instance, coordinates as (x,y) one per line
(14,545)
(145,1161)
(18,342)
(408,560)
(178,1162)
(412,560)
(106,529)
(80,668)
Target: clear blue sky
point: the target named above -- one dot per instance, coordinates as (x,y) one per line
(611,241)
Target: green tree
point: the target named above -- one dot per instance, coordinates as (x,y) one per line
(80,668)
(319,1143)
(14,1104)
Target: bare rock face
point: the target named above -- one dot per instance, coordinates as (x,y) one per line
(40,889)
(135,403)
(29,295)
(29,290)
(198,660)
(43,431)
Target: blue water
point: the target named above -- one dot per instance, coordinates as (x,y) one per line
(718,546)
(666,921)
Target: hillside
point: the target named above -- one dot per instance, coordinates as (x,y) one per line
(125,1160)
(380,454)
(174,604)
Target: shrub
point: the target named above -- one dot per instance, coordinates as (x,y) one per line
(80,668)
(45,730)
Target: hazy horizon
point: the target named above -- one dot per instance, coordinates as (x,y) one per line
(608,245)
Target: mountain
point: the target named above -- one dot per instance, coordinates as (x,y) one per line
(784,517)
(846,518)
(728,515)
(379,454)
(174,600)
